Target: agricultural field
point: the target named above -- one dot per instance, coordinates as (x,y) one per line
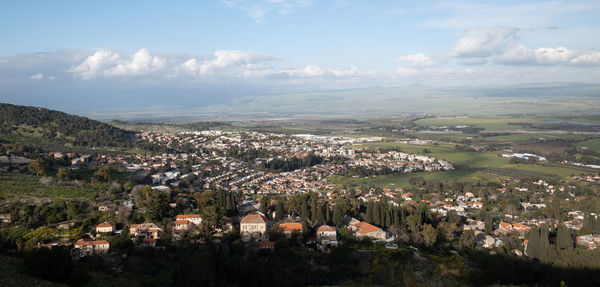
(488,124)
(14,186)
(470,167)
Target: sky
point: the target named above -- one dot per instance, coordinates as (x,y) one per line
(85,55)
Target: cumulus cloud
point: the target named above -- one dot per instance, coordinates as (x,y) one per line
(478,45)
(225,59)
(521,55)
(38,76)
(483,42)
(419,59)
(106,63)
(96,65)
(140,63)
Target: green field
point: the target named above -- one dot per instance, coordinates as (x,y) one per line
(470,167)
(489,124)
(20,186)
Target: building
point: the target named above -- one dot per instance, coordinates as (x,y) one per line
(183,224)
(363,229)
(253,226)
(105,227)
(289,228)
(145,230)
(88,247)
(326,234)
(193,218)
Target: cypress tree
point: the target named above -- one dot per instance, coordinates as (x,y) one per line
(564,240)
(376,215)
(338,217)
(304,213)
(328,215)
(369,216)
(279,211)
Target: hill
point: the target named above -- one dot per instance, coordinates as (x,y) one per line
(34,125)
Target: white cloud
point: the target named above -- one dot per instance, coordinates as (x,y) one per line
(106,63)
(483,42)
(404,71)
(419,59)
(586,59)
(226,59)
(96,65)
(140,63)
(312,70)
(38,76)
(521,55)
(259,9)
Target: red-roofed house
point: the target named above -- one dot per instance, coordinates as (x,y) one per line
(90,247)
(363,229)
(253,226)
(193,218)
(326,234)
(105,227)
(289,228)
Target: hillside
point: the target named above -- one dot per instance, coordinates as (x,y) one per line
(39,125)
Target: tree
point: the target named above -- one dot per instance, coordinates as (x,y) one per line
(369,215)
(103,174)
(63,174)
(446,231)
(429,235)
(467,239)
(338,217)
(39,166)
(564,240)
(489,223)
(304,213)
(453,217)
(279,211)
(265,202)
(376,214)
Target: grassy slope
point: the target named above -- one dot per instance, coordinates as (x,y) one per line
(21,186)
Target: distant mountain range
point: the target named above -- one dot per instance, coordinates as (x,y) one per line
(37,126)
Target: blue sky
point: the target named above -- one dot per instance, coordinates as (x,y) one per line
(197,50)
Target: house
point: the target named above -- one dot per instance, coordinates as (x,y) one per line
(145,230)
(504,228)
(193,218)
(105,227)
(253,226)
(363,229)
(289,228)
(326,234)
(590,241)
(478,204)
(474,225)
(183,224)
(484,240)
(88,247)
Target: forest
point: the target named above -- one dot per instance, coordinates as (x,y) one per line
(54,125)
